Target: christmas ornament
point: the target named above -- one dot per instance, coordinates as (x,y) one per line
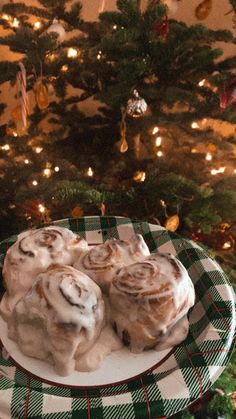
(211,148)
(203,10)
(162,28)
(228,93)
(137,106)
(139,176)
(172,223)
(123,145)
(57,28)
(41,95)
(77,212)
(21,86)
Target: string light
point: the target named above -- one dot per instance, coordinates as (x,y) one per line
(41,208)
(226,246)
(234,170)
(158,141)
(194,125)
(72,53)
(64,68)
(38,150)
(15,134)
(208,156)
(56,169)
(15,23)
(34,183)
(194,150)
(37,25)
(99,55)
(202,82)
(216,171)
(90,172)
(159,153)
(26,161)
(47,172)
(6,147)
(155,130)
(5,16)
(114,27)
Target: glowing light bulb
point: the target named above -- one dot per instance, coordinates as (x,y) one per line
(64,68)
(41,208)
(6,147)
(15,134)
(194,125)
(222,169)
(56,169)
(99,55)
(72,53)
(155,130)
(38,150)
(34,182)
(208,156)
(47,172)
(158,141)
(5,16)
(234,170)
(202,82)
(159,153)
(90,172)
(114,27)
(15,23)
(194,150)
(26,161)
(214,172)
(226,245)
(37,25)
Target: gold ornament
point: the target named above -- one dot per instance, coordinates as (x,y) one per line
(172,223)
(41,95)
(203,10)
(139,176)
(77,212)
(211,148)
(16,113)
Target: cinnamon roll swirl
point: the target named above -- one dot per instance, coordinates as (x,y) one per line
(148,298)
(59,319)
(102,261)
(32,253)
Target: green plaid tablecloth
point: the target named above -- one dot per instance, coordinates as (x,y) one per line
(191,368)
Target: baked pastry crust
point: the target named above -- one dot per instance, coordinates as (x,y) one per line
(32,253)
(102,261)
(148,298)
(59,319)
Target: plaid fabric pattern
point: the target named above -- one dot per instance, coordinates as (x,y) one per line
(189,370)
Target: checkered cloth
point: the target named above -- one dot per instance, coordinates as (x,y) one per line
(189,370)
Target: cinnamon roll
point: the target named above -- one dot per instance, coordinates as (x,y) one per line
(59,319)
(32,253)
(148,298)
(102,261)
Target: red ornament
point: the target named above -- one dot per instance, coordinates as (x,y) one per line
(162,27)
(228,93)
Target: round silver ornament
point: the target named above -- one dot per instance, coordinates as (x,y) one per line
(137,106)
(58,29)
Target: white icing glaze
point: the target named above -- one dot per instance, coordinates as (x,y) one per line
(102,261)
(149,297)
(32,253)
(60,318)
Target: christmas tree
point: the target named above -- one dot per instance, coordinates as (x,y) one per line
(158,142)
